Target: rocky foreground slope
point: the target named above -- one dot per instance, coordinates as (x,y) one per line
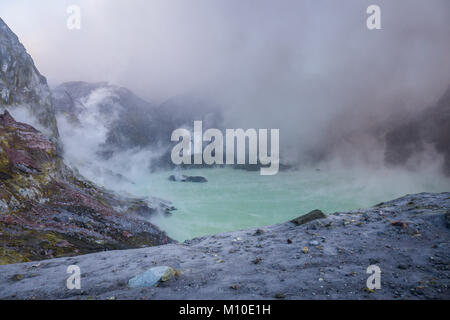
(46,209)
(408,238)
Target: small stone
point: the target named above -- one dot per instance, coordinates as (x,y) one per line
(313,215)
(314,242)
(398,224)
(151,277)
(258,232)
(63,244)
(17,277)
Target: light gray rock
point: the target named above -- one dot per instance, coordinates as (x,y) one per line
(151,277)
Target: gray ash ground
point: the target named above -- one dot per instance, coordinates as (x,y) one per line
(407,238)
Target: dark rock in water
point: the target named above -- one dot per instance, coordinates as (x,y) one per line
(184,178)
(196,179)
(258,166)
(313,215)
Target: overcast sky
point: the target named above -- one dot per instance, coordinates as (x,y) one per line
(160,48)
(279,63)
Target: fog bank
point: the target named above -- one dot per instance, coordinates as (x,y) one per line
(311,69)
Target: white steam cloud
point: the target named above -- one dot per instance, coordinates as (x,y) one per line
(310,68)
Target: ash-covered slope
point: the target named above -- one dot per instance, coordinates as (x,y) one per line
(46,210)
(407,238)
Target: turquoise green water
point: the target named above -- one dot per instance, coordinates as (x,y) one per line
(237,199)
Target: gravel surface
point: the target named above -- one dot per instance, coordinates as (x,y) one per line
(407,238)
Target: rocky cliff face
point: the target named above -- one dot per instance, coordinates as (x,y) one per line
(22,87)
(127,121)
(47,210)
(429,127)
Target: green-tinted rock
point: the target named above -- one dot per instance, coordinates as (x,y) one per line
(313,215)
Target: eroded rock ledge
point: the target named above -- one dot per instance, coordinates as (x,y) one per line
(47,211)
(407,238)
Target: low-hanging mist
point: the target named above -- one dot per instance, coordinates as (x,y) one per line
(95,131)
(312,70)
(366,107)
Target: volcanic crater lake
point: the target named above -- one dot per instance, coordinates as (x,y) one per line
(237,199)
